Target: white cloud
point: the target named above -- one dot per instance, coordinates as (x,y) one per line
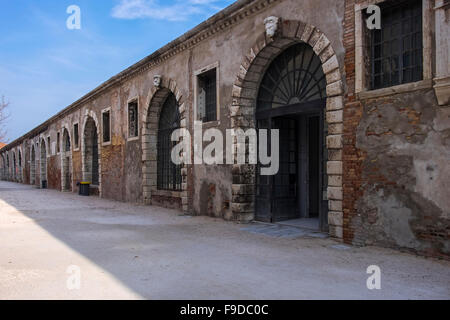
(178,11)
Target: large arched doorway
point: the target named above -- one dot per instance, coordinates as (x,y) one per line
(292,99)
(169,174)
(66,175)
(43,164)
(33,166)
(90,151)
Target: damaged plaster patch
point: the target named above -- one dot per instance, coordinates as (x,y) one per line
(406,174)
(431,168)
(395,219)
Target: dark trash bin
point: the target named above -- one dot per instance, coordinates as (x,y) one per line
(44,184)
(84,188)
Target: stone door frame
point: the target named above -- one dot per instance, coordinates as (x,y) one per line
(242,111)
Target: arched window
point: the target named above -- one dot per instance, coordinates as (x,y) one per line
(294,77)
(169,174)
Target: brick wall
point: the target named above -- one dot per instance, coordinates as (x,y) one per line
(352,116)
(394,165)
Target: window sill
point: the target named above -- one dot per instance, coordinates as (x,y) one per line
(166,193)
(442,90)
(211,124)
(402,88)
(133,139)
(105,144)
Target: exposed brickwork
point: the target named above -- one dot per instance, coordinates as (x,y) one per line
(113,169)
(77,172)
(53,173)
(352,115)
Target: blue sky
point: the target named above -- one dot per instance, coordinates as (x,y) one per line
(44,66)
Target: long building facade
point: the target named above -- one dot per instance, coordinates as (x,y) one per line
(363,117)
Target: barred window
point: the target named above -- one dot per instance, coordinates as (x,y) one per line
(58,147)
(76,136)
(169,174)
(207,96)
(106,120)
(66,139)
(396,50)
(133,119)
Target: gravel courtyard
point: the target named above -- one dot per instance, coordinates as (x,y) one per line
(126,251)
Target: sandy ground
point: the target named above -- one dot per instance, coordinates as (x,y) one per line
(126,251)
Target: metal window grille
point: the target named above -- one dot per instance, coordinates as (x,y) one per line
(76,136)
(169,174)
(58,147)
(66,141)
(106,126)
(294,77)
(396,50)
(208,83)
(133,119)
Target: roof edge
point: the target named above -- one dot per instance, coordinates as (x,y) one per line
(205,25)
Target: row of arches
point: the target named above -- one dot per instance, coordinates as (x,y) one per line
(12,170)
(284,83)
(167,175)
(38,152)
(12,164)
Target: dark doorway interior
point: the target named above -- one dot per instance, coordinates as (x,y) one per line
(91,160)
(291,98)
(95,175)
(295,191)
(314,161)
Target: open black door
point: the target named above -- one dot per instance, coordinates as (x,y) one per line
(263,203)
(285,182)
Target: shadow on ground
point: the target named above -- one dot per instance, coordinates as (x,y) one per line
(130,251)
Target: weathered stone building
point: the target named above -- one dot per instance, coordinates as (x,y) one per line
(364,122)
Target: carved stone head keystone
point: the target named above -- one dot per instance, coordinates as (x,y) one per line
(157,80)
(271,24)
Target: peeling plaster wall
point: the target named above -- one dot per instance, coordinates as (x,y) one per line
(405,140)
(396,155)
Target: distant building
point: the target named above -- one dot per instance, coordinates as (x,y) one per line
(2,145)
(363,116)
